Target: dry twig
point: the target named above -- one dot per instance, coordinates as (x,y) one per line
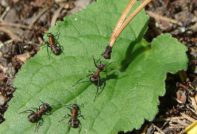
(121,27)
(38,16)
(188,117)
(10,33)
(158,129)
(3,23)
(55,16)
(163,18)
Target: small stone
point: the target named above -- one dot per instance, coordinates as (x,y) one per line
(181,96)
(2,99)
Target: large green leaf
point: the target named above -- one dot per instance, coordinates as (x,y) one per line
(134,79)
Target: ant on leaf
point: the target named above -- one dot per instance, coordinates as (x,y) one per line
(36,116)
(53,44)
(95,77)
(75,113)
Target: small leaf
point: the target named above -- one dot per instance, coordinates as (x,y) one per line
(135,76)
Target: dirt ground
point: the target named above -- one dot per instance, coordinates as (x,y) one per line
(23,23)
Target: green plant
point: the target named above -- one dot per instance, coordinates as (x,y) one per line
(134,81)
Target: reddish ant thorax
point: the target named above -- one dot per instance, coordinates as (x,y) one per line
(55,47)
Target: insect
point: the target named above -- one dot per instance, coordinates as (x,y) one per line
(55,47)
(75,112)
(107,52)
(36,116)
(94,77)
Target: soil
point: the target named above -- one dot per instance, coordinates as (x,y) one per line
(23,23)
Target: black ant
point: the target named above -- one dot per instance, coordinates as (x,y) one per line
(107,52)
(55,48)
(75,111)
(94,77)
(36,116)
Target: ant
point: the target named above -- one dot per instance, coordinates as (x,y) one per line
(75,111)
(94,77)
(55,48)
(36,116)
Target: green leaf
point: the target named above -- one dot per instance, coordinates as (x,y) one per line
(134,80)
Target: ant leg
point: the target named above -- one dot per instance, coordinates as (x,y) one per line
(100,61)
(80,115)
(61,47)
(49,34)
(57,35)
(42,102)
(38,124)
(108,64)
(65,117)
(90,73)
(79,81)
(68,129)
(80,127)
(48,51)
(69,107)
(27,111)
(35,108)
(48,113)
(97,90)
(44,44)
(103,86)
(82,105)
(68,115)
(95,62)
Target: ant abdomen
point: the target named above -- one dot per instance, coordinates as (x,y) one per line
(33,118)
(56,50)
(74,122)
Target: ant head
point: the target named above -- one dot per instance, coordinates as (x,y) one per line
(46,106)
(49,34)
(101,66)
(75,106)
